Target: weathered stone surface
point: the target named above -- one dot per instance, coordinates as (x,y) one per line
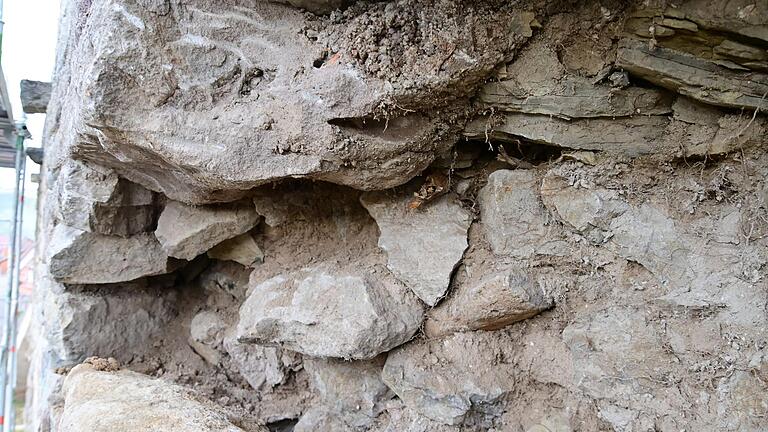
(512,216)
(575,97)
(682,261)
(256,104)
(205,331)
(100,401)
(95,199)
(589,211)
(187,231)
(310,311)
(694,77)
(263,367)
(423,245)
(118,321)
(632,135)
(350,393)
(81,257)
(734,36)
(316,6)
(494,302)
(446,379)
(35,96)
(241,249)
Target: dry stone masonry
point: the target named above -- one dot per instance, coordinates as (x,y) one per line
(404,216)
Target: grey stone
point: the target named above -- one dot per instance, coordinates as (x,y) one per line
(101,401)
(587,210)
(611,342)
(423,245)
(262,367)
(241,249)
(629,135)
(699,272)
(689,111)
(81,257)
(187,231)
(116,322)
(206,327)
(316,6)
(205,332)
(35,96)
(310,311)
(36,154)
(497,300)
(574,97)
(447,379)
(691,76)
(95,199)
(512,215)
(238,109)
(352,393)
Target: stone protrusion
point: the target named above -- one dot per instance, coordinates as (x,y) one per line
(492,303)
(187,231)
(101,401)
(81,257)
(35,96)
(95,199)
(312,311)
(241,249)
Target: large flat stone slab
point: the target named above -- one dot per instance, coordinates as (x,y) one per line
(692,76)
(209,114)
(82,257)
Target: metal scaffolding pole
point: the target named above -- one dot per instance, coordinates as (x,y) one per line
(10,299)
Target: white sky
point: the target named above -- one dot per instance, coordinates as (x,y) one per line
(28,52)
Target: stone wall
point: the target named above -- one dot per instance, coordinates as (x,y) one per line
(406,215)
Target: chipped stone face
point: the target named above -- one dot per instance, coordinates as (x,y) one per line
(187,231)
(81,257)
(447,379)
(494,302)
(589,211)
(513,218)
(306,312)
(117,322)
(204,335)
(351,392)
(424,244)
(263,367)
(102,401)
(95,199)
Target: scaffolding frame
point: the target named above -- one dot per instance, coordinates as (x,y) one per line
(10,304)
